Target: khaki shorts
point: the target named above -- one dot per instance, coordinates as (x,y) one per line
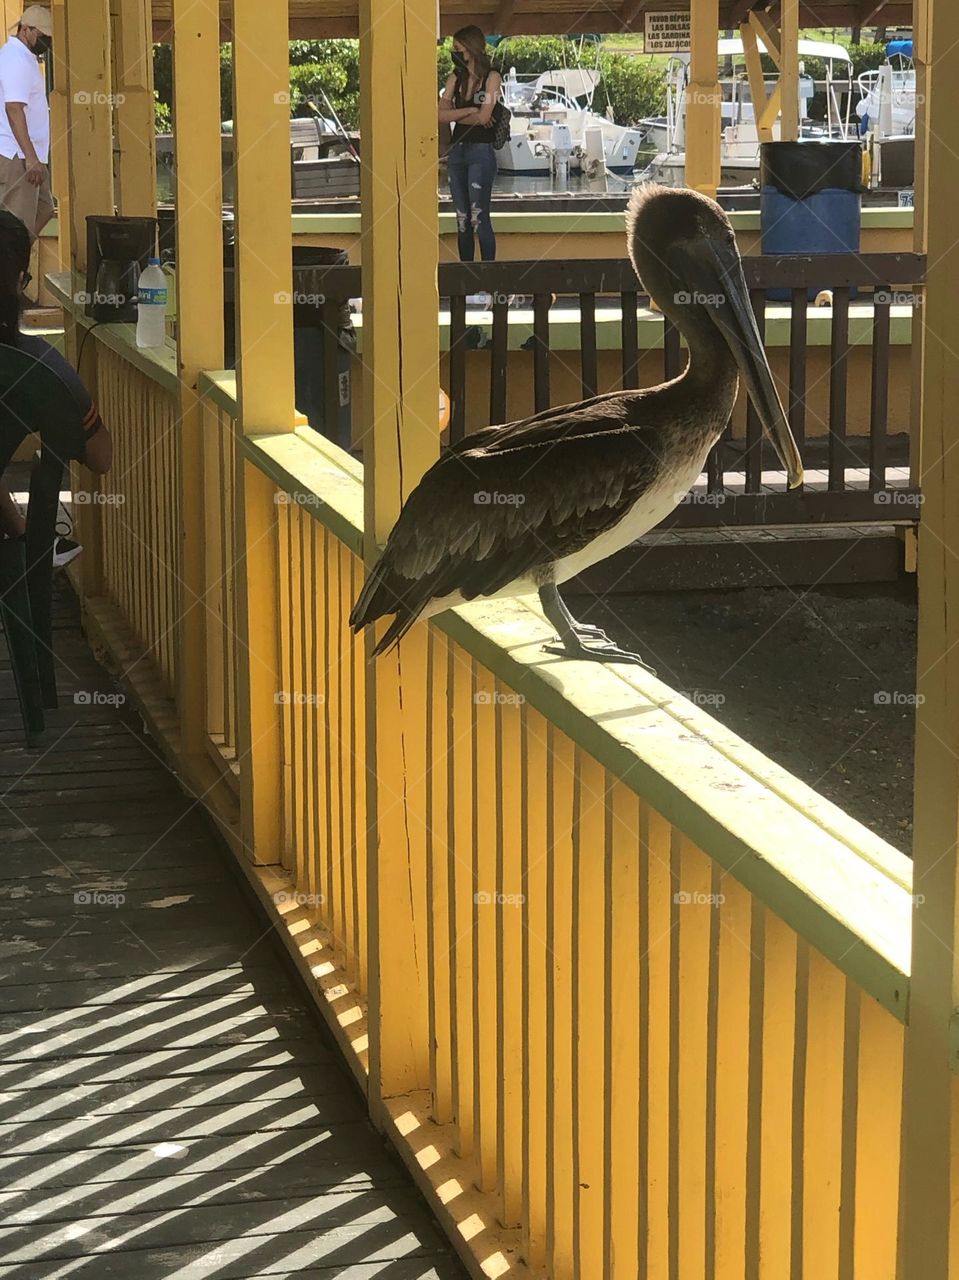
(32,205)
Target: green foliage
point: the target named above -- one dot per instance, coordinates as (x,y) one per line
(633,87)
(162,115)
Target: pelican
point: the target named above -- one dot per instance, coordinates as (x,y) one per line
(524,507)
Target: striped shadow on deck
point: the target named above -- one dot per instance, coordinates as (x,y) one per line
(169,1105)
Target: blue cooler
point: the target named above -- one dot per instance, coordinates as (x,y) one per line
(810,200)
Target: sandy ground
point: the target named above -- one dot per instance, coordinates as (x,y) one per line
(822,681)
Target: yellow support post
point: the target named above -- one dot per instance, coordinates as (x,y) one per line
(133,107)
(59,130)
(703,100)
(264,272)
(89,182)
(199,282)
(264,241)
(930,1116)
(90,131)
(400,395)
(789,69)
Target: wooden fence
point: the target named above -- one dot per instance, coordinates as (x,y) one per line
(878,281)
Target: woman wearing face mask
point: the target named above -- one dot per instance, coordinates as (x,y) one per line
(468,100)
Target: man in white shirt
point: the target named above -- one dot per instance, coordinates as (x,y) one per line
(25,121)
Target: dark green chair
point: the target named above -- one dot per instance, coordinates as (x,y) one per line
(33,400)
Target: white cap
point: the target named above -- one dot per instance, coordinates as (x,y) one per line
(36,15)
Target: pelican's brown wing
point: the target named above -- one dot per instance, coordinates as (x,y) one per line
(523,499)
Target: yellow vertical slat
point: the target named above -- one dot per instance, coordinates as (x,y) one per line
(485,911)
(823,1118)
(288,624)
(656,892)
(334,677)
(590,1016)
(512,1090)
(732,1081)
(779,1010)
(358,774)
(559,1008)
(439,727)
(309,880)
(878,1141)
(321,777)
(345,754)
(623,1031)
(460,767)
(533,777)
(703,97)
(696,923)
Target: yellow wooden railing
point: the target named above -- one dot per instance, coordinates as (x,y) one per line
(656,1009)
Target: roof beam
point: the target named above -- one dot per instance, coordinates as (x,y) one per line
(630,12)
(504,14)
(739,11)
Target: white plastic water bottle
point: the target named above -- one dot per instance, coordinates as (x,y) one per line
(151,305)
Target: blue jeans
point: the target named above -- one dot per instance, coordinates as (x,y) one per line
(472,167)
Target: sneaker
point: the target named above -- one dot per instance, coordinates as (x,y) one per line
(65,550)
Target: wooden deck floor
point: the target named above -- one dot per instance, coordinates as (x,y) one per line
(170,1105)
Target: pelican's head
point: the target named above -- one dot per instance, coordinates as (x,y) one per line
(684,251)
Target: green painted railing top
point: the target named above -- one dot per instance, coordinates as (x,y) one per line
(567,222)
(158,363)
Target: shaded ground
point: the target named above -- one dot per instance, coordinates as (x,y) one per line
(822,682)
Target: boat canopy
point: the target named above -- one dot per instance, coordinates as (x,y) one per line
(901,47)
(575,82)
(733,47)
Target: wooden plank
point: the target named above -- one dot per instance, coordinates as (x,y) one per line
(838,388)
(457,365)
(498,361)
(754,431)
(879,404)
(796,408)
(587,344)
(629,323)
(541,305)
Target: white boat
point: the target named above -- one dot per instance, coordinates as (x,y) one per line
(887,96)
(552,120)
(739,156)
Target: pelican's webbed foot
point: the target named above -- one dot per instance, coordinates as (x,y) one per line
(579,639)
(574,647)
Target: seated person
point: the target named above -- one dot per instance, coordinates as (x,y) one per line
(89,442)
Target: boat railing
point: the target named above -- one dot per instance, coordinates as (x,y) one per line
(554,332)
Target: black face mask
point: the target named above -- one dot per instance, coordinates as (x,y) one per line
(43,46)
(459,59)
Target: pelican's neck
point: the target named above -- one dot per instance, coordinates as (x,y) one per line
(711,365)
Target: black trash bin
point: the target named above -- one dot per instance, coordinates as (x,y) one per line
(309,365)
(810,200)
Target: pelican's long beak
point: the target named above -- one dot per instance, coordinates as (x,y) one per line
(714,271)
